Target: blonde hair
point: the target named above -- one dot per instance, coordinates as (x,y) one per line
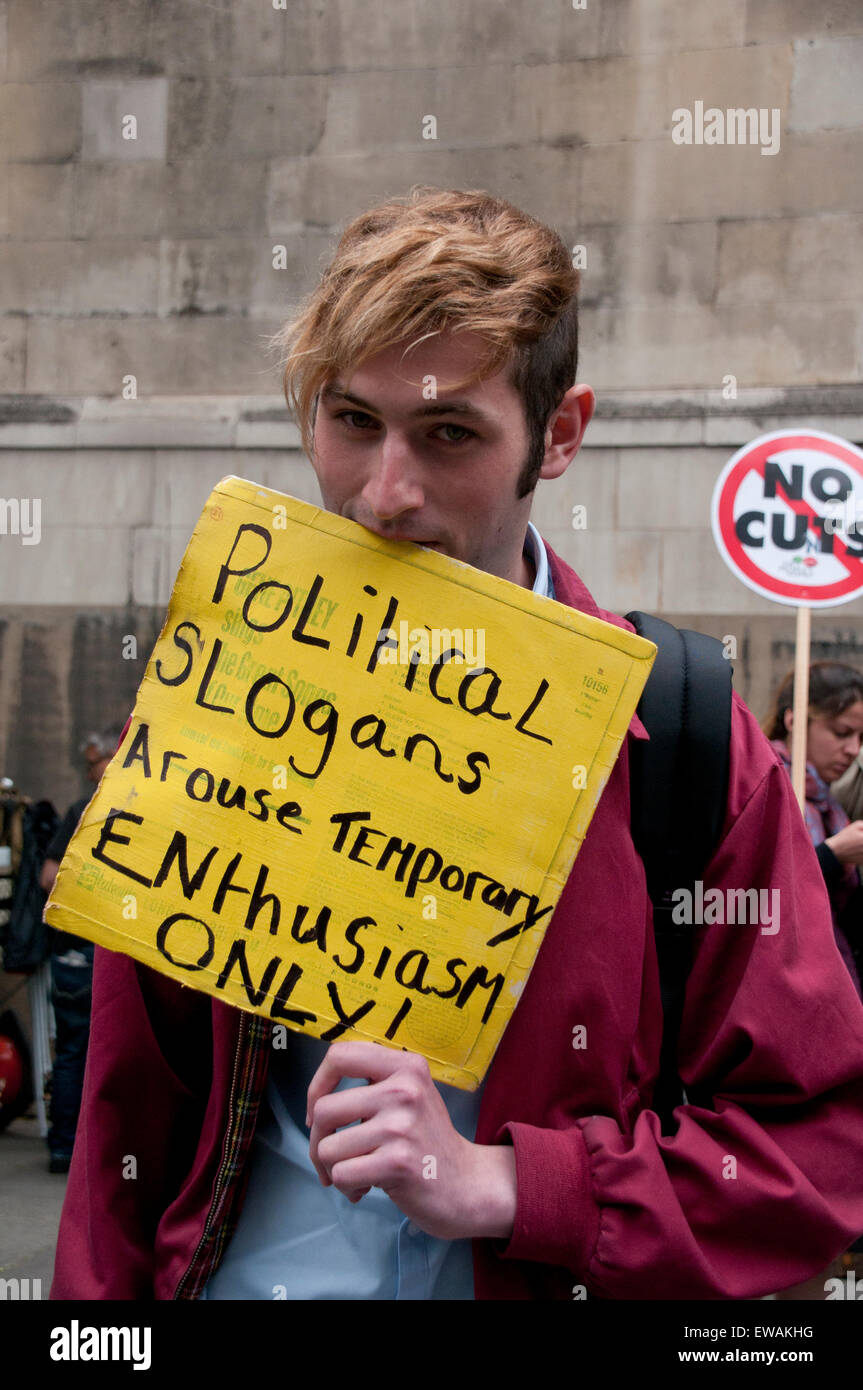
(437,260)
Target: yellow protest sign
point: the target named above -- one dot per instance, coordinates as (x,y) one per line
(356,778)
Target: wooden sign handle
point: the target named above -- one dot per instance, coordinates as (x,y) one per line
(801,705)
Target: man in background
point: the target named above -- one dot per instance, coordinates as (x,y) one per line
(71,975)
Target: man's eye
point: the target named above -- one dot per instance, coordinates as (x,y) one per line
(461,433)
(359,419)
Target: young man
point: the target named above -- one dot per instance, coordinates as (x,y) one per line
(432,373)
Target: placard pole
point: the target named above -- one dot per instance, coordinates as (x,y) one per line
(801,704)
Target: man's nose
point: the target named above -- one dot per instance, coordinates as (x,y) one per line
(394,484)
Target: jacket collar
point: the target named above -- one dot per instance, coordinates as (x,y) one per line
(572,591)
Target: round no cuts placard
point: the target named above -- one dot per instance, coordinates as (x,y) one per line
(787,517)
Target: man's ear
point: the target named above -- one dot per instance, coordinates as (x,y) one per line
(565,430)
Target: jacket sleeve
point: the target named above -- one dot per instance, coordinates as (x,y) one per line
(145,1089)
(761,1185)
(829,865)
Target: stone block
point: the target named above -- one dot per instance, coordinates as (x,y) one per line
(673,26)
(758,76)
(804,258)
(621,570)
(267,429)
(76,485)
(168,357)
(277,288)
(122,200)
(589,482)
(119,277)
(633,97)
(72,277)
(826,91)
(208,275)
(13,354)
(353,35)
(618,184)
(207,197)
(21,435)
(387,110)
(234,275)
(734,430)
(695,577)
(157,422)
(41,122)
(76,38)
(327,192)
(193,198)
(246,36)
(39,200)
(178,540)
(700,348)
(648,263)
(595,101)
(256,118)
(785,20)
(184,478)
(625,434)
(4,41)
(84,566)
(658,181)
(666,489)
(125,120)
(285,472)
(152,562)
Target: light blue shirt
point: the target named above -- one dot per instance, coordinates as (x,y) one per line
(298,1240)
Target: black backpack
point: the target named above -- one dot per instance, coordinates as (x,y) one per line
(678,790)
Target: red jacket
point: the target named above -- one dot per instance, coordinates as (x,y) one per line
(751,1194)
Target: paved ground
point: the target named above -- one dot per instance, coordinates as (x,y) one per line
(30,1202)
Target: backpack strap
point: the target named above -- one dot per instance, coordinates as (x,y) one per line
(678,789)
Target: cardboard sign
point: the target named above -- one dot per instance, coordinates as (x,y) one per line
(788,517)
(356,779)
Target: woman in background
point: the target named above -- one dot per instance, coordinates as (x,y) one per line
(833,742)
(835,727)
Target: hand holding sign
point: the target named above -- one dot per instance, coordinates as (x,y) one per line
(847,844)
(405,1143)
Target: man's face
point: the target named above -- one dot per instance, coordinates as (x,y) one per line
(400,451)
(96,763)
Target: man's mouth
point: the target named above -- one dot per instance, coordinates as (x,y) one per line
(396,536)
